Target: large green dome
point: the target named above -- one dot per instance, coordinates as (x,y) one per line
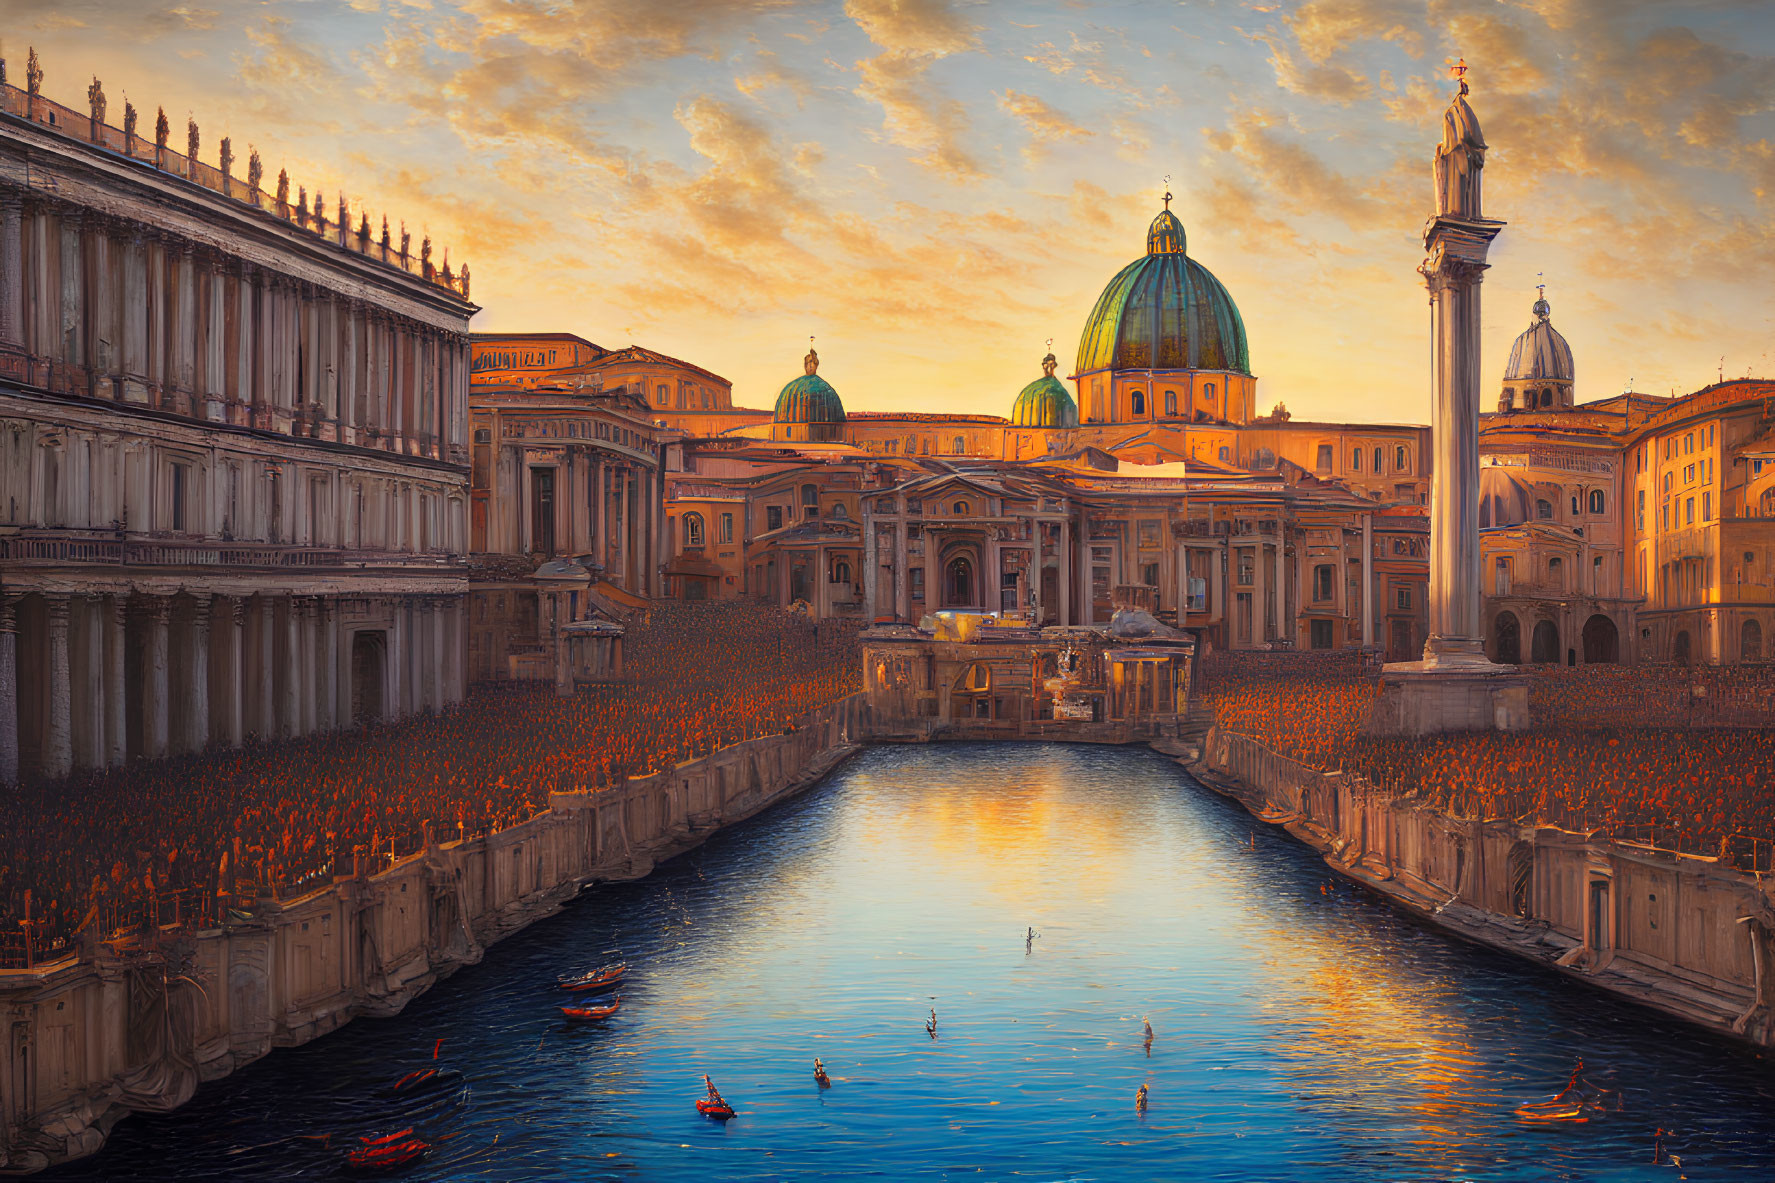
(1164,312)
(1045,402)
(809,399)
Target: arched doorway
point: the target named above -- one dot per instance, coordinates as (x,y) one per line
(367,650)
(958,582)
(1679,649)
(1601,642)
(1544,649)
(1507,639)
(1750,642)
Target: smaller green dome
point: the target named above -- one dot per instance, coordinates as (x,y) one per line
(1045,402)
(809,398)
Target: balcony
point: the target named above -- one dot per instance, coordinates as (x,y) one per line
(83,547)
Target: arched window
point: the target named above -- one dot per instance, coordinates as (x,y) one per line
(1170,402)
(1556,573)
(1401,459)
(693,529)
(978,679)
(841,572)
(1575,510)
(960,580)
(961,445)
(661,393)
(1208,393)
(1546,398)
(1377,461)
(1140,402)
(961,509)
(1543,509)
(1596,501)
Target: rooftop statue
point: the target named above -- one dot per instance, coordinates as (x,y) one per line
(1460,157)
(95,95)
(1048,364)
(811,363)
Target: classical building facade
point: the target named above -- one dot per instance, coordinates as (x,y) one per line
(233,453)
(566,496)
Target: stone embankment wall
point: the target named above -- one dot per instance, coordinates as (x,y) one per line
(1680,933)
(137,1025)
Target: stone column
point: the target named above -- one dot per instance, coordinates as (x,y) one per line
(1217,560)
(289,686)
(115,615)
(58,740)
(9,773)
(328,612)
(1283,631)
(1087,605)
(1367,579)
(991,594)
(233,679)
(1260,595)
(197,731)
(264,653)
(87,681)
(1457,249)
(155,690)
(436,693)
(871,563)
(902,557)
(453,650)
(12,294)
(302,662)
(1065,581)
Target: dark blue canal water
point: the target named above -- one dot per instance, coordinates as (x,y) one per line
(1300,1034)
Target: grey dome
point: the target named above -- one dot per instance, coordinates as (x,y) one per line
(1540,352)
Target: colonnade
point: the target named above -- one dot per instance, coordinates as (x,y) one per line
(91,681)
(108,307)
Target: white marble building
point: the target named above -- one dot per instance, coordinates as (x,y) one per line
(233,454)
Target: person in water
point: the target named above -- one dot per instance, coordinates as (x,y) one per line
(1140,1100)
(931,1023)
(820,1076)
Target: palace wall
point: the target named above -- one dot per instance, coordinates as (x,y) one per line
(1683,934)
(136,1025)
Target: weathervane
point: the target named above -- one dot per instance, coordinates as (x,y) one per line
(1167,190)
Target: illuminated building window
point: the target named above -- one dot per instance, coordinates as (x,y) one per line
(1322,576)
(1140,402)
(1543,509)
(693,529)
(726,527)
(1596,502)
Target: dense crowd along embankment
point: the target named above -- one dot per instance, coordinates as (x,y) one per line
(181,839)
(1677,757)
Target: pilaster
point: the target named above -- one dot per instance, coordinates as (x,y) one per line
(58,738)
(9,771)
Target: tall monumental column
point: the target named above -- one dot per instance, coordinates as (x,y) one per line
(1454,687)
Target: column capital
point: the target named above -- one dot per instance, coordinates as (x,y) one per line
(159,608)
(8,612)
(58,608)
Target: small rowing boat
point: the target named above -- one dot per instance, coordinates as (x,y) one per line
(587,1014)
(382,1156)
(602,978)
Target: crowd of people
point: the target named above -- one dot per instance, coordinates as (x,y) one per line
(120,847)
(1664,755)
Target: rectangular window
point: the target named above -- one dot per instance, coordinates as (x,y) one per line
(1323,462)
(1245,569)
(1707,507)
(1356,460)
(726,527)
(178,498)
(1689,511)
(1501,578)
(773,517)
(1149,574)
(1399,460)
(1403,599)
(1689,444)
(1322,576)
(916,580)
(1149,535)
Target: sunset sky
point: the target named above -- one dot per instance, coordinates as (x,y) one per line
(933,189)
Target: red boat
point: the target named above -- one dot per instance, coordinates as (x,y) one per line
(598,979)
(714,1107)
(384,1156)
(587,1014)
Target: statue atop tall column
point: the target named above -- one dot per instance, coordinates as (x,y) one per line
(1460,158)
(1456,687)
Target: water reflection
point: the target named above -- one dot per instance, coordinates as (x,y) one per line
(1299,1033)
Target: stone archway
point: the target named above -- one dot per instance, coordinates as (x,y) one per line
(1544,648)
(1602,645)
(1507,639)
(1750,642)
